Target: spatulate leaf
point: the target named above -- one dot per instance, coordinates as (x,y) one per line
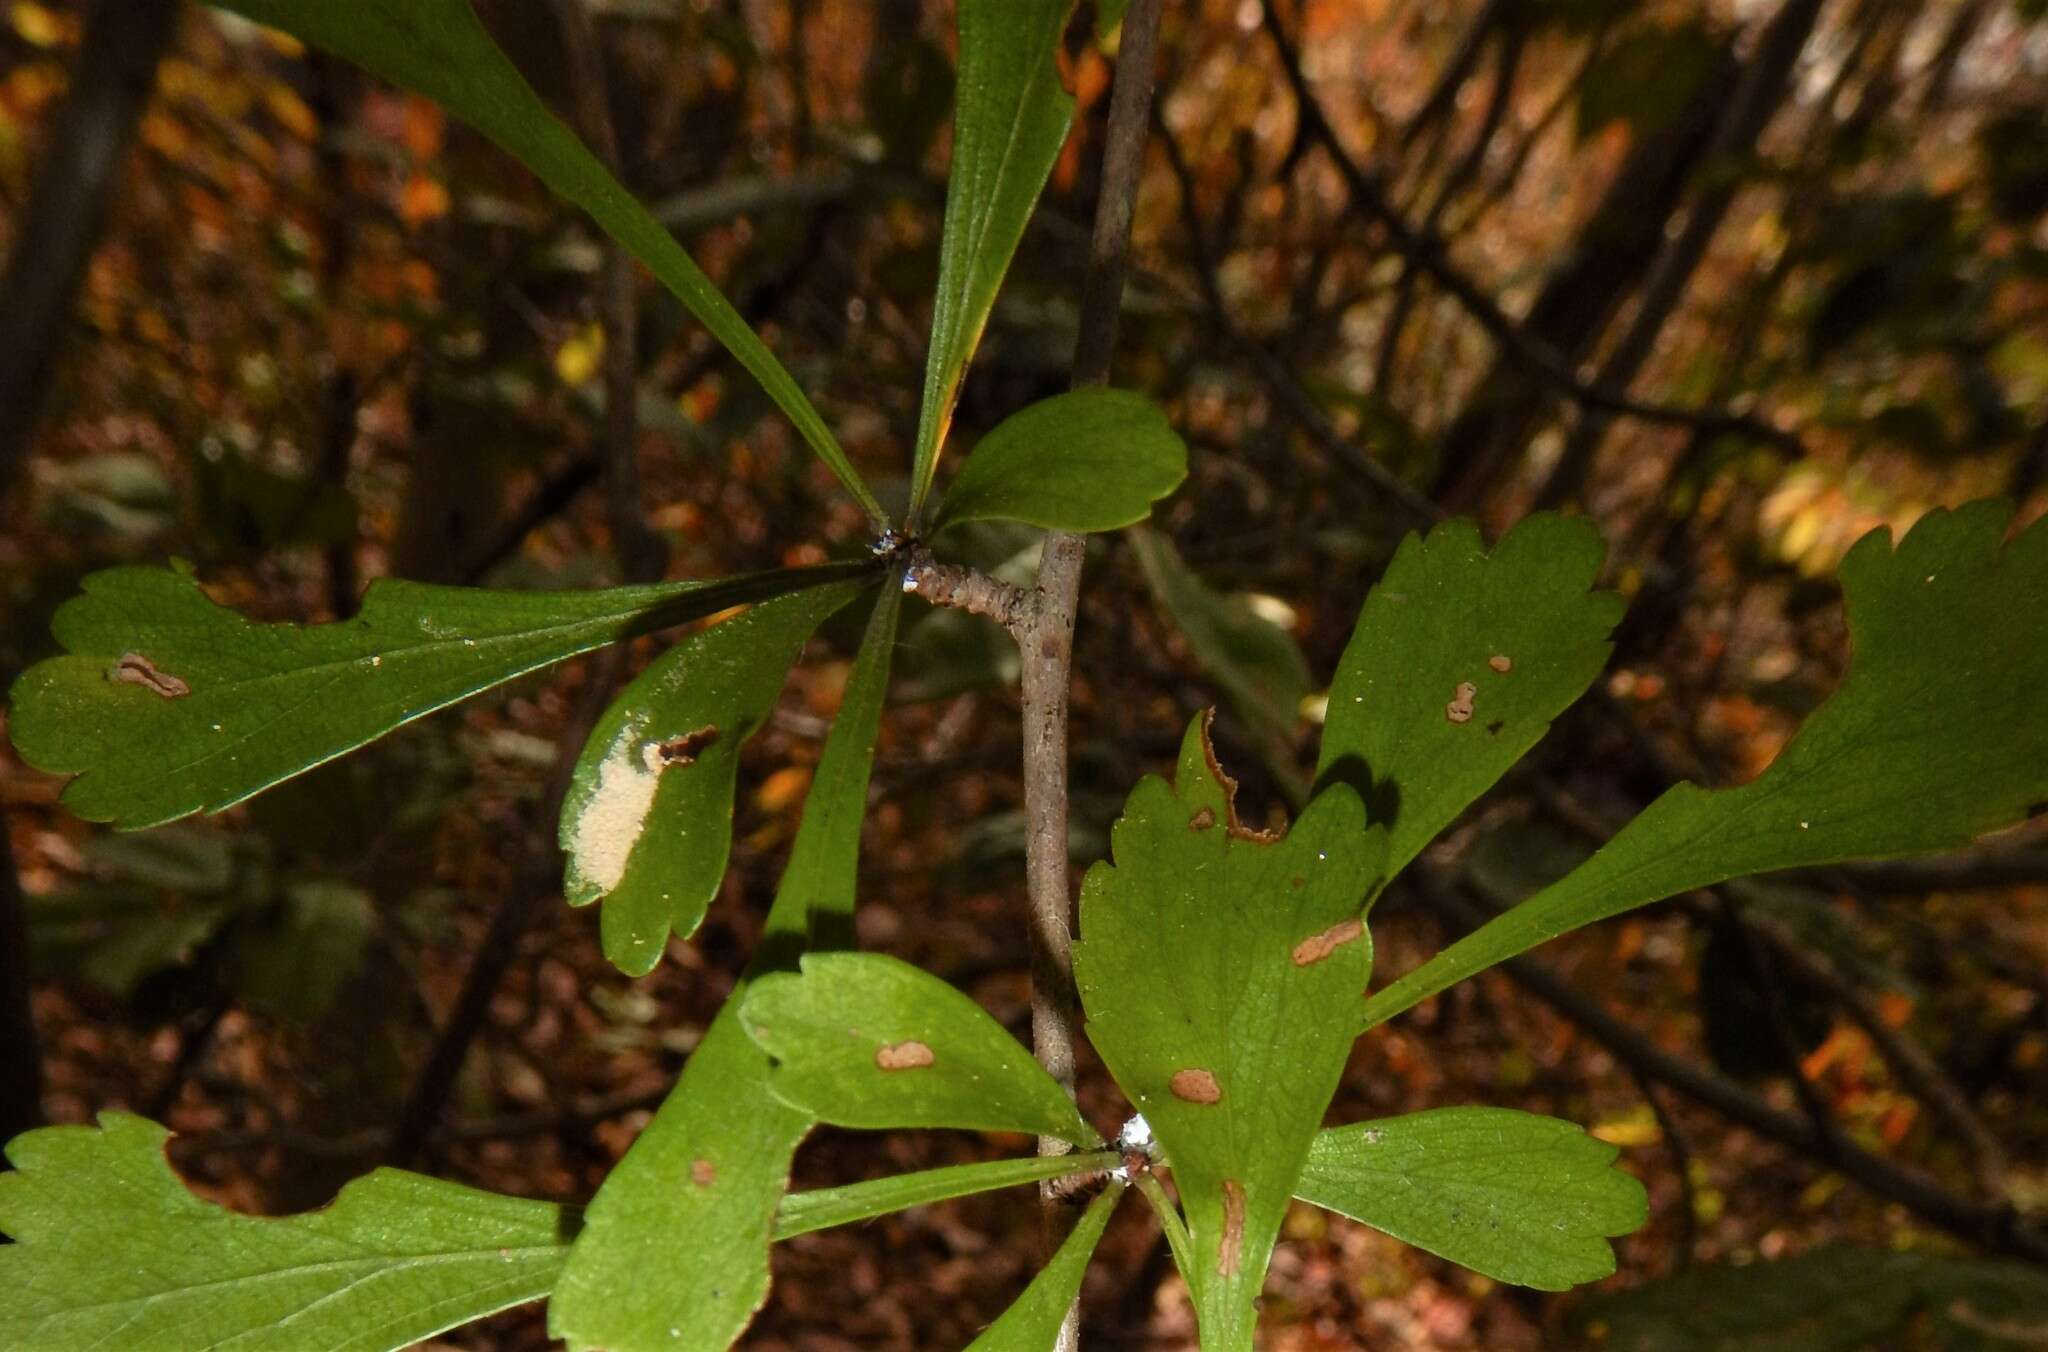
(1521,1198)
(863,1040)
(1032,1323)
(715,1159)
(1937,735)
(439,49)
(1221,971)
(1010,119)
(110,1250)
(166,704)
(1088,460)
(647,822)
(1460,660)
(822,1208)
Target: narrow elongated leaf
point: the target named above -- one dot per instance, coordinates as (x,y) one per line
(822,1208)
(647,822)
(1219,970)
(1521,1198)
(1087,460)
(1938,735)
(1010,118)
(166,704)
(437,48)
(1257,664)
(715,1159)
(1032,1323)
(863,1040)
(1839,1298)
(1460,660)
(111,1251)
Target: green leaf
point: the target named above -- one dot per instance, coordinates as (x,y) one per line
(647,822)
(863,1040)
(1220,971)
(1109,17)
(1088,460)
(1032,1323)
(1839,1298)
(437,48)
(1521,1198)
(821,1209)
(111,1251)
(715,1159)
(1257,663)
(1938,735)
(1010,119)
(298,957)
(167,704)
(1518,630)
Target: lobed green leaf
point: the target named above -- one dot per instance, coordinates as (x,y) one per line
(439,49)
(111,1251)
(864,1040)
(1937,735)
(715,1159)
(1088,460)
(647,822)
(1220,970)
(1460,660)
(166,704)
(1520,1198)
(1010,119)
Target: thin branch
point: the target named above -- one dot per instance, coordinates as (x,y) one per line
(1995,1225)
(968,589)
(1428,252)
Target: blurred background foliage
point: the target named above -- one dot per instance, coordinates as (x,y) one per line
(1740,279)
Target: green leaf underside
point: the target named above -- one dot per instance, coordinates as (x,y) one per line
(1088,460)
(1010,119)
(1448,615)
(439,49)
(801,1213)
(112,1251)
(1257,664)
(1220,973)
(1937,736)
(1839,1298)
(647,822)
(1520,1198)
(1032,1323)
(263,702)
(863,1040)
(715,1159)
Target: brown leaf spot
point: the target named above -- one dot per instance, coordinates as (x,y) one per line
(685,748)
(703,1173)
(1501,663)
(1231,1250)
(1202,820)
(1459,710)
(1319,946)
(1195,1085)
(912,1055)
(135,669)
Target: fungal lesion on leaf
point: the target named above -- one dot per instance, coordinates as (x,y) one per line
(133,668)
(906,1055)
(1193,1084)
(684,748)
(1459,710)
(1319,946)
(1230,1252)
